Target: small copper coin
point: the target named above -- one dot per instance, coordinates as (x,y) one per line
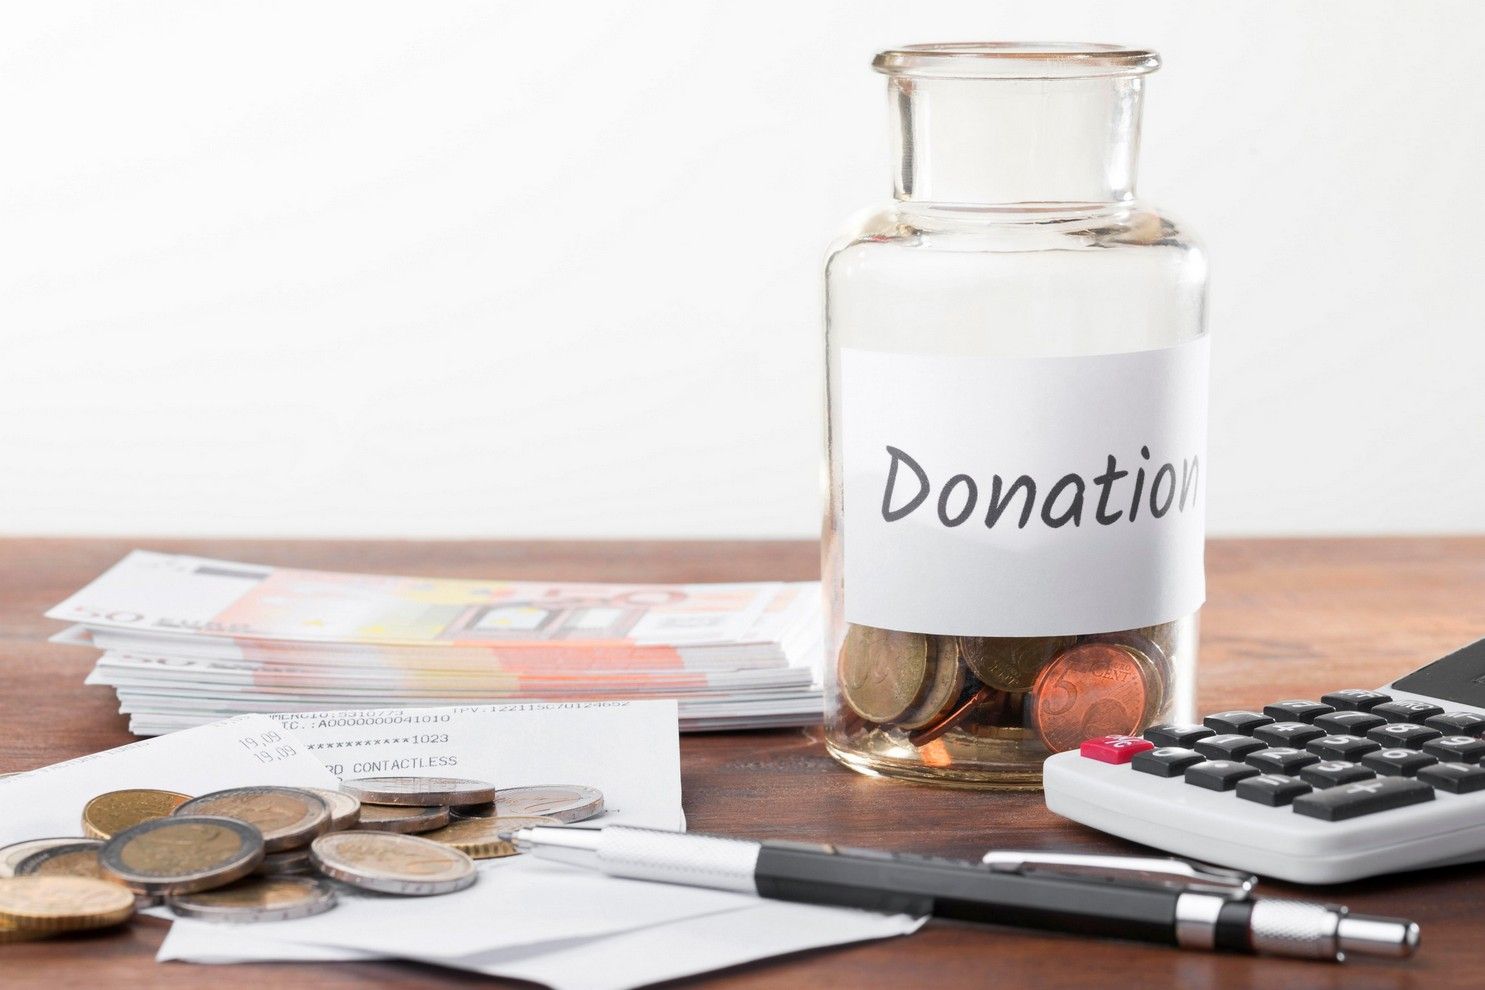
(883,671)
(109,814)
(287,817)
(1009,663)
(941,689)
(399,818)
(1088,690)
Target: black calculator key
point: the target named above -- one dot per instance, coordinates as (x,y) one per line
(1240,722)
(1228,746)
(1364,797)
(1272,789)
(1342,747)
(1219,775)
(1355,699)
(1457,723)
(1404,734)
(1281,759)
(1456,778)
(1349,722)
(1334,773)
(1408,711)
(1398,762)
(1456,749)
(1297,710)
(1287,733)
(1166,761)
(1170,734)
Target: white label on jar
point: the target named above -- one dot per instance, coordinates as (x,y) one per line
(992,496)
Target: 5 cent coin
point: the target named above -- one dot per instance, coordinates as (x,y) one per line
(1091,689)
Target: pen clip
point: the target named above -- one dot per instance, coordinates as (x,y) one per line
(1130,871)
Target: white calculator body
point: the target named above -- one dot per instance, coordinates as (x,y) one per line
(1349,784)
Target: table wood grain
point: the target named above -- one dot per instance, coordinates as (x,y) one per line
(1284,618)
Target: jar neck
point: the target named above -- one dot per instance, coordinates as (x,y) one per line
(1015,143)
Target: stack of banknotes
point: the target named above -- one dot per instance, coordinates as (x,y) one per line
(188,640)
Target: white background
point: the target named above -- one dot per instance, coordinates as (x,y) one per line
(553,269)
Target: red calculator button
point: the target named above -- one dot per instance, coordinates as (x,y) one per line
(1115,749)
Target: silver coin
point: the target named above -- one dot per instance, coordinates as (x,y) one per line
(392,864)
(182,854)
(266,899)
(78,858)
(393,818)
(12,854)
(345,810)
(419,790)
(288,817)
(288,862)
(564,802)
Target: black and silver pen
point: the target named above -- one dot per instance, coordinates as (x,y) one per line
(1168,901)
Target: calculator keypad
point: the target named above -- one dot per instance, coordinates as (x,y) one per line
(1354,752)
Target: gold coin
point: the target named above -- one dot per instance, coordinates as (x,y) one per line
(401,818)
(57,904)
(481,838)
(941,688)
(1009,663)
(11,933)
(882,671)
(109,814)
(79,859)
(287,816)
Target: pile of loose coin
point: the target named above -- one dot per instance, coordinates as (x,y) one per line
(1055,690)
(268,853)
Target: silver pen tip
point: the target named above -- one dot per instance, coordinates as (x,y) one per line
(1367,935)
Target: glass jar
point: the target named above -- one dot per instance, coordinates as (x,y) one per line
(1016,379)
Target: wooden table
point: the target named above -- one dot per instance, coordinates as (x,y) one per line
(1284,618)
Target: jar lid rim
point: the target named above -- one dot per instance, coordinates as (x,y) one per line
(1015,60)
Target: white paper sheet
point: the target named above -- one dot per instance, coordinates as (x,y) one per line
(629,750)
(237,752)
(758,930)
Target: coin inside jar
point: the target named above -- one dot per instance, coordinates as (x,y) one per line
(392,818)
(345,810)
(109,814)
(941,688)
(1091,689)
(13,854)
(564,802)
(392,863)
(181,854)
(1009,663)
(419,791)
(486,838)
(286,817)
(59,904)
(267,899)
(77,859)
(882,671)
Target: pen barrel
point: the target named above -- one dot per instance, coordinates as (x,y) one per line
(965,891)
(679,857)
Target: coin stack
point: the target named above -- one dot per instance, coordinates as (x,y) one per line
(268,853)
(1000,700)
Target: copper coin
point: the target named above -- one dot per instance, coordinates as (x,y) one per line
(1009,663)
(1091,689)
(942,687)
(933,730)
(882,671)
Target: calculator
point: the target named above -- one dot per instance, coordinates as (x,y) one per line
(1352,783)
